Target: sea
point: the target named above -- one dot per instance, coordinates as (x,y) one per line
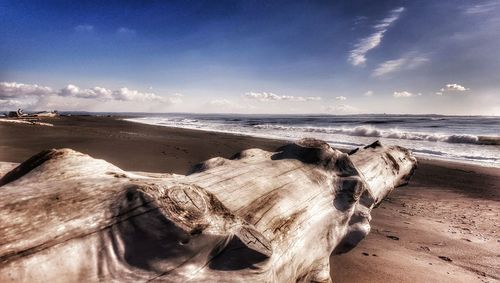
(467,139)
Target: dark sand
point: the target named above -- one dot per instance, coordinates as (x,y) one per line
(449,210)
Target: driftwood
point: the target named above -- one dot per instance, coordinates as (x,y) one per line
(258,217)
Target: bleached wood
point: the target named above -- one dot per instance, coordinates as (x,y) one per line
(258,217)
(5,167)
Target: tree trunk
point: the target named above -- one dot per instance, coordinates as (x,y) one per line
(257,217)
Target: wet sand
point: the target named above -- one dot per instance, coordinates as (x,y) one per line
(443,227)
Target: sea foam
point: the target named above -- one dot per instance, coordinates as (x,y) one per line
(393,133)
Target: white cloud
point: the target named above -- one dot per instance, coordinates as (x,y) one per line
(341,98)
(176,98)
(84,28)
(126,94)
(357,56)
(13,94)
(341,109)
(403,63)
(94,93)
(10,103)
(453,88)
(368,93)
(14,89)
(101,92)
(307,98)
(122,94)
(262,96)
(402,94)
(269,96)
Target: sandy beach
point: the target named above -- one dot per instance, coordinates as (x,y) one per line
(443,227)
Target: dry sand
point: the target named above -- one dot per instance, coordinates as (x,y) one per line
(443,227)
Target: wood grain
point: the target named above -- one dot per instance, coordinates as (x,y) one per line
(259,216)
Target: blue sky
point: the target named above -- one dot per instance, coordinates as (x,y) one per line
(335,57)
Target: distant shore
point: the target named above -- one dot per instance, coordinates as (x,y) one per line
(447,212)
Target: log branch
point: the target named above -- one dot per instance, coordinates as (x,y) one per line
(259,216)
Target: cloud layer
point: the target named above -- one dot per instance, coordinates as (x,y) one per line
(452,89)
(357,56)
(13,94)
(19,90)
(402,94)
(269,96)
(403,63)
(341,109)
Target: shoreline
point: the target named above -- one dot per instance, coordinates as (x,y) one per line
(263,138)
(420,156)
(448,209)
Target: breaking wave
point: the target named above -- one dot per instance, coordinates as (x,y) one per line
(370,131)
(464,139)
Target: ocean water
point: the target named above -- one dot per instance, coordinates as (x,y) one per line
(469,139)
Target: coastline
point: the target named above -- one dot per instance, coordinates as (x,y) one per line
(364,137)
(448,210)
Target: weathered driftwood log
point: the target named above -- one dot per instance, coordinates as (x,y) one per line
(258,217)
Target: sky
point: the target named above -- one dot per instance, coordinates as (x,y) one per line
(277,57)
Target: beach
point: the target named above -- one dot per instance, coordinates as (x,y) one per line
(442,227)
